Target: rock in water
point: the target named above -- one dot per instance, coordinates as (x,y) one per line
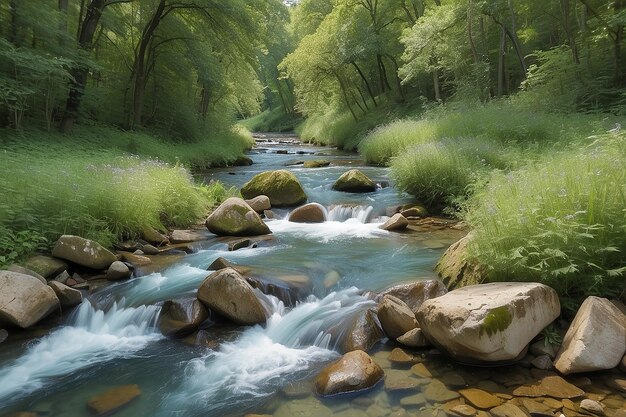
(490,322)
(227,293)
(68,297)
(117,271)
(596,339)
(354,372)
(180,318)
(83,252)
(363,333)
(152,236)
(551,386)
(415,293)
(236,218)
(395,317)
(282,188)
(354,181)
(260,203)
(113,399)
(185,236)
(24,300)
(320,163)
(413,338)
(308,213)
(397,222)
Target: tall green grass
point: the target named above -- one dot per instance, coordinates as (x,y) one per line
(90,185)
(275,120)
(560,221)
(499,122)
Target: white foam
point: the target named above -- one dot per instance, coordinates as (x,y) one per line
(328,231)
(97,337)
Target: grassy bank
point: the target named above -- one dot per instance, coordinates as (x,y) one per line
(275,120)
(95,184)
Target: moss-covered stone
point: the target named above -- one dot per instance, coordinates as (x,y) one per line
(319,163)
(236,218)
(497,320)
(354,181)
(282,188)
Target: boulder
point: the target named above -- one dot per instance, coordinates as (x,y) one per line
(240,244)
(282,188)
(181,318)
(24,300)
(362,334)
(117,271)
(221,263)
(26,271)
(319,163)
(354,372)
(112,400)
(414,210)
(415,293)
(150,235)
(490,322)
(227,293)
(260,203)
(185,236)
(354,181)
(596,339)
(395,317)
(413,338)
(68,297)
(45,266)
(397,222)
(236,218)
(83,252)
(308,213)
(456,269)
(242,161)
(150,249)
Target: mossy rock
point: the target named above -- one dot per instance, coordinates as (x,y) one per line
(234,217)
(354,181)
(282,188)
(320,163)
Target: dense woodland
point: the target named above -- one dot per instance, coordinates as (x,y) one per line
(505,113)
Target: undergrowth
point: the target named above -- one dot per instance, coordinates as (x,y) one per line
(275,120)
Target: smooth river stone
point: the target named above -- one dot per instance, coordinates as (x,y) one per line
(436,391)
(113,399)
(551,386)
(479,398)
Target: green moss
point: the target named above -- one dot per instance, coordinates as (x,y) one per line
(282,188)
(497,320)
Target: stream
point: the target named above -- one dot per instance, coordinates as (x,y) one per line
(112,338)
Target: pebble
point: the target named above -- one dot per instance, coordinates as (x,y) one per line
(592,406)
(542,362)
(400,356)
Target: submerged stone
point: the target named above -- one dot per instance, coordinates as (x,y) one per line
(113,399)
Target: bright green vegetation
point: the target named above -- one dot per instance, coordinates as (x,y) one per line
(560,220)
(497,320)
(98,193)
(275,120)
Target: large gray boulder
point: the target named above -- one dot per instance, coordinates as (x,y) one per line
(596,339)
(68,297)
(354,181)
(183,317)
(234,217)
(24,300)
(26,271)
(282,187)
(308,213)
(229,294)
(395,317)
(414,293)
(490,322)
(83,252)
(356,371)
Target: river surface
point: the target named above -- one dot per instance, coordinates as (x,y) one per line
(112,338)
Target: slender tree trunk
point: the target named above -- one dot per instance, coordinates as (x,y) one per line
(470,37)
(77,85)
(366,82)
(501,61)
(14,29)
(620,78)
(383,73)
(567,26)
(516,44)
(345,96)
(436,84)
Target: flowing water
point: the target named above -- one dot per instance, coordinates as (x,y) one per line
(112,339)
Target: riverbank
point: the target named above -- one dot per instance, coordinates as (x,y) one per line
(103,184)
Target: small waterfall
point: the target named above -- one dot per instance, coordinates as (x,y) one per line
(263,359)
(343,213)
(94,337)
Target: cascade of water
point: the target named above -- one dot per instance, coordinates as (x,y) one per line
(342,213)
(260,361)
(94,337)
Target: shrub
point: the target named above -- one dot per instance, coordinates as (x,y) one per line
(560,221)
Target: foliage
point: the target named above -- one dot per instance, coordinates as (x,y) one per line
(275,120)
(100,194)
(560,221)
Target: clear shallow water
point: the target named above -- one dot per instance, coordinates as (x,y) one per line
(115,342)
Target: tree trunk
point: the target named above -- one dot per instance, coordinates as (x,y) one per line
(501,61)
(366,82)
(567,26)
(620,79)
(77,85)
(345,97)
(436,84)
